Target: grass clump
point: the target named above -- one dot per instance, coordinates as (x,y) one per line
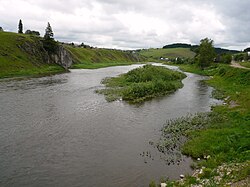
(142,83)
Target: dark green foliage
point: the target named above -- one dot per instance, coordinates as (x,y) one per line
(49,44)
(142,83)
(32,32)
(241,57)
(48,32)
(152,184)
(225,51)
(224,58)
(247,49)
(206,53)
(194,48)
(177,45)
(20,27)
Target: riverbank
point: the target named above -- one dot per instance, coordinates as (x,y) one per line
(221,147)
(142,83)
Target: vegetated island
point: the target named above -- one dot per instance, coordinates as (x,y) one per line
(142,83)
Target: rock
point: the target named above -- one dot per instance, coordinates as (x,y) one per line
(198,159)
(163,184)
(61,57)
(182,176)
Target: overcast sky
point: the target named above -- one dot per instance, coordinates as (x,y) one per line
(131,24)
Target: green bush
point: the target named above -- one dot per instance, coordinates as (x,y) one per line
(145,82)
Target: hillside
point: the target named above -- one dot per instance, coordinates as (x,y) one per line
(99,57)
(24,55)
(156,54)
(218,50)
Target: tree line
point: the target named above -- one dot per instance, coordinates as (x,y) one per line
(48,31)
(49,44)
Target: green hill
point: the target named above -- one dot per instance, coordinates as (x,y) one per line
(23,55)
(156,54)
(26,55)
(99,57)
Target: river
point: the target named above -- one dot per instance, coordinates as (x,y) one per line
(56,131)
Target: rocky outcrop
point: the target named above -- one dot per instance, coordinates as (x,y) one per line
(61,57)
(37,53)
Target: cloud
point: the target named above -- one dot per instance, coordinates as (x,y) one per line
(129,24)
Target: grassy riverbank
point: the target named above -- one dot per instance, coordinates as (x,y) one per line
(142,83)
(93,58)
(223,144)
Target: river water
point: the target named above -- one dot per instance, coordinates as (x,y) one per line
(56,131)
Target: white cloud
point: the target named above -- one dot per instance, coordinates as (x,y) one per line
(133,24)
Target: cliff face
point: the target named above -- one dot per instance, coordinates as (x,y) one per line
(37,53)
(62,57)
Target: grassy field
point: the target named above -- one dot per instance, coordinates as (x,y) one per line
(245,64)
(142,83)
(14,61)
(222,144)
(92,58)
(156,54)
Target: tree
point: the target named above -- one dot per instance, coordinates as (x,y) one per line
(247,49)
(49,44)
(1,29)
(20,27)
(206,53)
(48,33)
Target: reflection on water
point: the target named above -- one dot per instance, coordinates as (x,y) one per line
(27,84)
(56,131)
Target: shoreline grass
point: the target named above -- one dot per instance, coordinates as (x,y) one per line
(41,70)
(224,140)
(142,83)
(100,65)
